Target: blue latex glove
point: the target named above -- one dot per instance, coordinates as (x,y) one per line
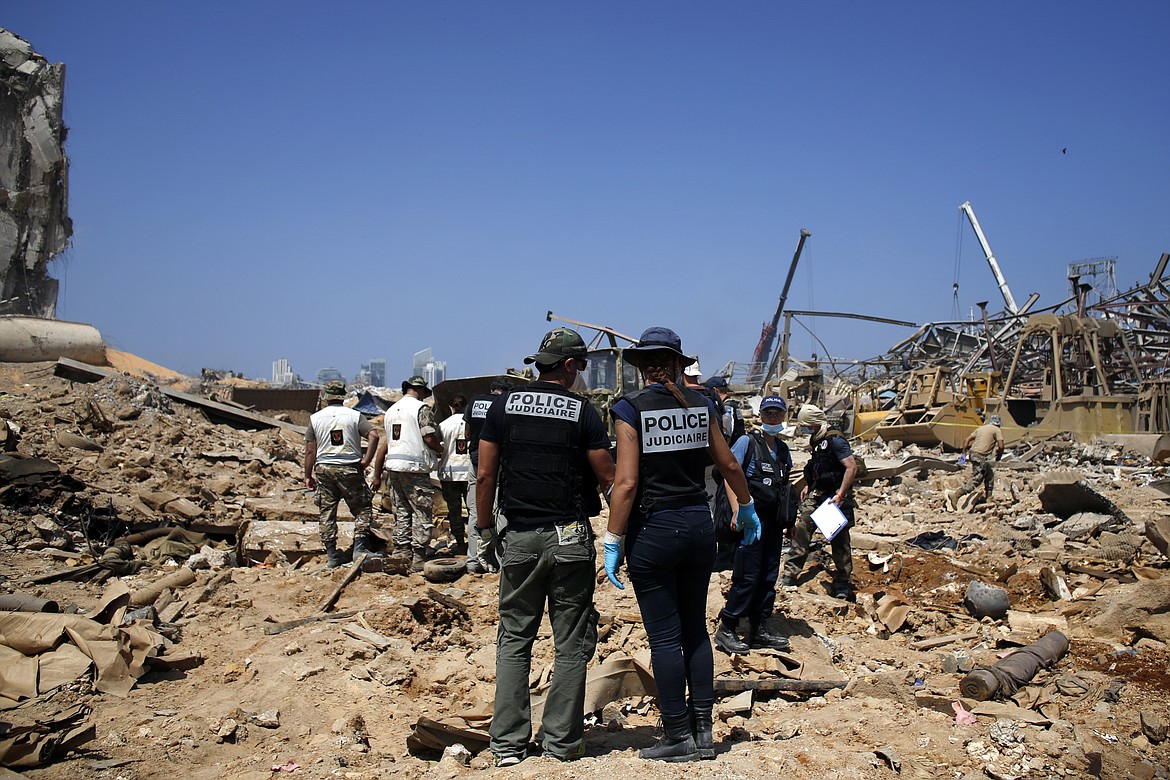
(962,459)
(613,561)
(749,521)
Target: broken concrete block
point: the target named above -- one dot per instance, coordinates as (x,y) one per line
(1154,727)
(156,499)
(1158,532)
(1084,525)
(184,507)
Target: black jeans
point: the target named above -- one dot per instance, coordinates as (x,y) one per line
(753,579)
(670,555)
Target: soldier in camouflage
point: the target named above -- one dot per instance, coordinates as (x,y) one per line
(335,467)
(410,451)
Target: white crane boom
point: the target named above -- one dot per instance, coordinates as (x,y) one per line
(1003,285)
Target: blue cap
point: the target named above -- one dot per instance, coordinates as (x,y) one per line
(773,402)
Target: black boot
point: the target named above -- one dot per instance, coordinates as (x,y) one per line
(677,744)
(361,547)
(727,641)
(762,637)
(336,558)
(704,741)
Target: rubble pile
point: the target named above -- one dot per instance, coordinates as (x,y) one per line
(189,548)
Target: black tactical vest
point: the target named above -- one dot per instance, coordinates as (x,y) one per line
(542,460)
(768,483)
(474,416)
(673,444)
(823,471)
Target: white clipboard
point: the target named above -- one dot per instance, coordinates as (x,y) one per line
(829,519)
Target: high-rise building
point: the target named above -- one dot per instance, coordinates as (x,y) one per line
(329,375)
(377,370)
(282,373)
(425,365)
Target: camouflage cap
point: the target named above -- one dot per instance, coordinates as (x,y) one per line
(334,389)
(418,383)
(558,344)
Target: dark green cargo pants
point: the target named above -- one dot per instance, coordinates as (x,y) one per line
(538,567)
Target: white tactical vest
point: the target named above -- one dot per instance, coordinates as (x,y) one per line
(456,463)
(405,450)
(338,438)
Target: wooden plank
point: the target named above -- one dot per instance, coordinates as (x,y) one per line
(277,628)
(447,601)
(1121,575)
(939,641)
(332,598)
(736,685)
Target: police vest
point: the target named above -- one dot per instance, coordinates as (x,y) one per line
(823,471)
(338,437)
(455,465)
(768,483)
(474,416)
(542,461)
(673,443)
(405,449)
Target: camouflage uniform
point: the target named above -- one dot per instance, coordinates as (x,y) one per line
(800,542)
(982,473)
(334,483)
(414,498)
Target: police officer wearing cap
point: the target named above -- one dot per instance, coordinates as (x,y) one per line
(547,450)
(335,467)
(666,435)
(767,464)
(410,451)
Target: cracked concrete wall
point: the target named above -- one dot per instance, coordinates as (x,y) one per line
(34,177)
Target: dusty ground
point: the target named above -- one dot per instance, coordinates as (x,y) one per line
(345,709)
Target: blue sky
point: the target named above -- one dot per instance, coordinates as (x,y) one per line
(335,182)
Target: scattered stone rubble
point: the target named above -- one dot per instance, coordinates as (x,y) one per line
(261,662)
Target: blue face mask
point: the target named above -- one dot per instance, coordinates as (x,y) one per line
(772,430)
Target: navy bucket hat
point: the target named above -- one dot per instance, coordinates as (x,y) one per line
(657,339)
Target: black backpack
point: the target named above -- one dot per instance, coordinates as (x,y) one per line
(770,500)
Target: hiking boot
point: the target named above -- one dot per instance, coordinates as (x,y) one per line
(763,638)
(787,582)
(676,746)
(336,558)
(841,592)
(508,760)
(475,567)
(417,562)
(728,642)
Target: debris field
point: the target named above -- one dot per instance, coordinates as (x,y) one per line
(167,607)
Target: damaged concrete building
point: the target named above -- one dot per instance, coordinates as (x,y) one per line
(34,178)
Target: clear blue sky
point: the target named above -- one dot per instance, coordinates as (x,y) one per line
(331,182)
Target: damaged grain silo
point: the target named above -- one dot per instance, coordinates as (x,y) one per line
(34,177)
